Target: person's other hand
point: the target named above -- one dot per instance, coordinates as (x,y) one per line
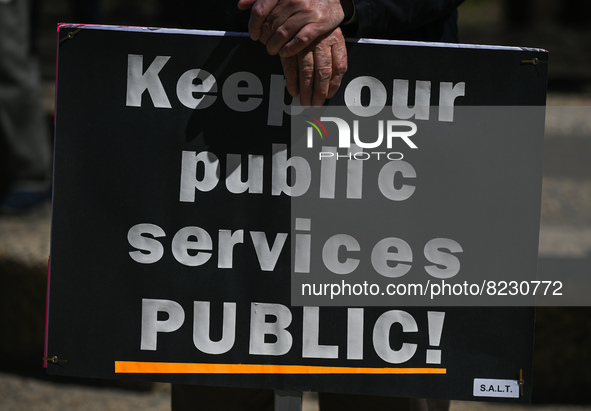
(316,72)
(286,27)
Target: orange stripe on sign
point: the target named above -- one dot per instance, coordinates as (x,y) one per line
(133,367)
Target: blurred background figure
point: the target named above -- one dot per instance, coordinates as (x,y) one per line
(25,149)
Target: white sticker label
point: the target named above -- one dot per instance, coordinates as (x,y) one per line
(485,387)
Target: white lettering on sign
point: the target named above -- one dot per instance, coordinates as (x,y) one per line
(152,326)
(139,81)
(192,246)
(448,92)
(271,331)
(200,172)
(260,327)
(243,92)
(201,328)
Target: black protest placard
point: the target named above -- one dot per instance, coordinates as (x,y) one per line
(174,221)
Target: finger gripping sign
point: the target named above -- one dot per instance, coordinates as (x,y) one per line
(208,230)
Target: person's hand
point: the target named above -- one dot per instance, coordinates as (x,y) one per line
(316,72)
(286,27)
